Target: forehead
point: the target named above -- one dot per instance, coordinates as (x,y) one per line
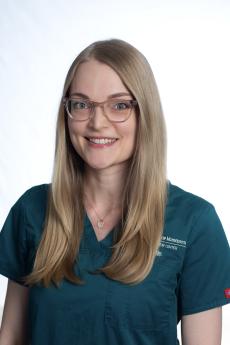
(96,80)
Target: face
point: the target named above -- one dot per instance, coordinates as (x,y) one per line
(99,82)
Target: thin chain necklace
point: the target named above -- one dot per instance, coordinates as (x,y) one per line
(100,220)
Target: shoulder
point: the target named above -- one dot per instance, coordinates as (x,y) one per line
(196,216)
(31,205)
(189,215)
(35,194)
(22,231)
(186,203)
(33,197)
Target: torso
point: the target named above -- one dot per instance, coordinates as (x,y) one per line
(104,311)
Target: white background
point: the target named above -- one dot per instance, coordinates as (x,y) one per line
(187,45)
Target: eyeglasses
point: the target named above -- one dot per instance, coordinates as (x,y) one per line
(115,110)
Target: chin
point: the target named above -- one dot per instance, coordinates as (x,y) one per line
(98,166)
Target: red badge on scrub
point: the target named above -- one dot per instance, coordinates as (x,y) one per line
(227,293)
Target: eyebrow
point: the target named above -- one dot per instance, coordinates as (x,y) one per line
(114,95)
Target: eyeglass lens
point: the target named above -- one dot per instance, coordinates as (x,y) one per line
(115,110)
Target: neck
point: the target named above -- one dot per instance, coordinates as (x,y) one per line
(104,189)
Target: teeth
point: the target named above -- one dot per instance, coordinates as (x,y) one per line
(101,141)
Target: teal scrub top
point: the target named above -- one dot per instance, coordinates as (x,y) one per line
(191,274)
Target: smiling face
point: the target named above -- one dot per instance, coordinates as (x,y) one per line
(99,82)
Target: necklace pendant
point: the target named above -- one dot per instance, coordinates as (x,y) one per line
(100,224)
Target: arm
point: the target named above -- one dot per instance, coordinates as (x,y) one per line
(14,320)
(204,328)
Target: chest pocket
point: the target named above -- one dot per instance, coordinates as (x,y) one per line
(145,306)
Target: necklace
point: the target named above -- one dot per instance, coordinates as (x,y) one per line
(100,220)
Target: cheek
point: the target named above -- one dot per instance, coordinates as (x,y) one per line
(75,130)
(129,128)
(75,135)
(133,134)
(129,133)
(132,130)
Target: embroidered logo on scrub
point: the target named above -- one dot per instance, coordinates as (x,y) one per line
(227,293)
(171,243)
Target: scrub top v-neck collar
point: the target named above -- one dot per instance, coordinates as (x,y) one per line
(91,238)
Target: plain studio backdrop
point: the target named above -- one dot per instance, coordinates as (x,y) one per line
(187,45)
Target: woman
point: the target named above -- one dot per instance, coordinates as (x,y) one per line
(111,252)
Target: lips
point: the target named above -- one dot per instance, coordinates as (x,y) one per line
(104,140)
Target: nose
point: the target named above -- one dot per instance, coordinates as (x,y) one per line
(98,119)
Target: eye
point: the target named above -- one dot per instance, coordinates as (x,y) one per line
(79,105)
(123,105)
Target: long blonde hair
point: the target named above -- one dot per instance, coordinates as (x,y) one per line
(145,192)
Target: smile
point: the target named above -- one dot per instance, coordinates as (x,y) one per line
(101,142)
